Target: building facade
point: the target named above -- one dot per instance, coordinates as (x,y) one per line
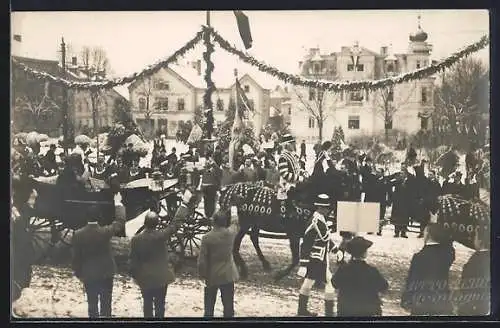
(404,107)
(171,96)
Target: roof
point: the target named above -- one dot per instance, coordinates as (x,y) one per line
(50,66)
(122,90)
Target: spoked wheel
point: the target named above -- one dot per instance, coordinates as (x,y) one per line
(40,230)
(191,232)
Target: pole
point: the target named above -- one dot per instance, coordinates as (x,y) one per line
(208,18)
(65,100)
(94,95)
(207,98)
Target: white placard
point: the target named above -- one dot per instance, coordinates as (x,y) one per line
(358,217)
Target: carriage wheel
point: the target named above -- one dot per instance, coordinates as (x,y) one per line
(41,237)
(191,232)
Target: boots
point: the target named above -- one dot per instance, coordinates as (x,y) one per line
(329,308)
(302,311)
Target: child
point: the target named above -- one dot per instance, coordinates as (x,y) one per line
(358,283)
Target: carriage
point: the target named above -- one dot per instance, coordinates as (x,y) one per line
(61,210)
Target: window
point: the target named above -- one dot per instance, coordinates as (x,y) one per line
(180,104)
(289,110)
(161,103)
(390,95)
(426,63)
(317,68)
(312,94)
(162,85)
(356,96)
(367,94)
(418,64)
(342,95)
(220,105)
(424,95)
(388,124)
(390,68)
(142,103)
(311,122)
(247,88)
(424,123)
(360,68)
(350,67)
(353,123)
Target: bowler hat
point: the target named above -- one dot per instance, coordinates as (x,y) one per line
(322,200)
(358,245)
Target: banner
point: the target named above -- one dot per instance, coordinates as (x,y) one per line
(195,135)
(358,217)
(244,28)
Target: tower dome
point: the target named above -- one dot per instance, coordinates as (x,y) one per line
(420,35)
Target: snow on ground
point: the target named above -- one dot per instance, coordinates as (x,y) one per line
(55,293)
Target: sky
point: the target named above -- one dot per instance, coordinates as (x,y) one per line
(133,40)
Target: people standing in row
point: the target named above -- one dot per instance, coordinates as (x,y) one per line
(93,262)
(216,266)
(359,284)
(401,197)
(149,260)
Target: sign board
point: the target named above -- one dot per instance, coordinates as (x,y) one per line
(196,134)
(358,216)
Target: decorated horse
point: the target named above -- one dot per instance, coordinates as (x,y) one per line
(259,209)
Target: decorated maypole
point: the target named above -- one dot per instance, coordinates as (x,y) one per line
(207,97)
(65,121)
(237,127)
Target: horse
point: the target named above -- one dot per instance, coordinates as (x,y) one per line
(259,209)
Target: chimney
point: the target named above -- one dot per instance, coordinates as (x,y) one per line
(74,61)
(383,50)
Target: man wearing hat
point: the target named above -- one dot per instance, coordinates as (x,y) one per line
(358,283)
(149,260)
(455,186)
(314,261)
(50,162)
(93,262)
(290,171)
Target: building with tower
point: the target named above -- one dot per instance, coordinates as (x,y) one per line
(405,107)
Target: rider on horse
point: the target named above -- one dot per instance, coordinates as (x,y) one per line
(290,171)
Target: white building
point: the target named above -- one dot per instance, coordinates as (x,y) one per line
(362,112)
(172,95)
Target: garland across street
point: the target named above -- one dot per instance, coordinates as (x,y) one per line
(263,67)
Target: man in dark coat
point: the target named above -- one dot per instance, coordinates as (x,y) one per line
(21,238)
(430,193)
(375,189)
(427,289)
(303,150)
(93,262)
(149,260)
(210,184)
(401,197)
(475,283)
(172,158)
(216,264)
(359,283)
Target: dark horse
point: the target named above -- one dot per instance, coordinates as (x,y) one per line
(259,209)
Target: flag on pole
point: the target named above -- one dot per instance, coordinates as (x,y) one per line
(242,98)
(17,38)
(195,135)
(244,28)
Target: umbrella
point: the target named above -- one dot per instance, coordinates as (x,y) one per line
(43,137)
(82,139)
(33,138)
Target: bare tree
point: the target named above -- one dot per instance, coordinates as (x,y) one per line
(318,104)
(36,110)
(461,101)
(387,104)
(95,62)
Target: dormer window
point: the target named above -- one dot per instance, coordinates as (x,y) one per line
(162,85)
(247,88)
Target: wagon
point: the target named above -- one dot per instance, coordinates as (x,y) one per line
(61,210)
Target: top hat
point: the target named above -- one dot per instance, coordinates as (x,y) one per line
(287,138)
(322,200)
(358,245)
